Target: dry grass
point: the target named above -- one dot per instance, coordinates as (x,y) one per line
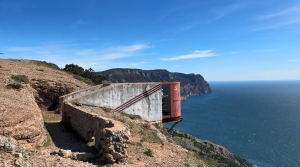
(52,117)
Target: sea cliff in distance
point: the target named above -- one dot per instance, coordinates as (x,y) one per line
(190,84)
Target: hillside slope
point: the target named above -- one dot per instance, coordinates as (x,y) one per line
(27,87)
(190,84)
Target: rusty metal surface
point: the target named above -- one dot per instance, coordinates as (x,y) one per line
(174,100)
(169,120)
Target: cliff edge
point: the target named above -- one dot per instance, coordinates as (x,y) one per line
(190,84)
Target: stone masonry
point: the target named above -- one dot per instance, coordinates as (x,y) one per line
(111,137)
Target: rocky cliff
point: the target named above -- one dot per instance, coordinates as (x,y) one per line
(191,84)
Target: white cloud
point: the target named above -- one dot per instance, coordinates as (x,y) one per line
(289,11)
(196,54)
(227,10)
(132,48)
(96,58)
(19,49)
(270,50)
(285,17)
(114,52)
(294,60)
(139,63)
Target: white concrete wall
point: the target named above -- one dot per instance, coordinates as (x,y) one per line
(70,96)
(149,108)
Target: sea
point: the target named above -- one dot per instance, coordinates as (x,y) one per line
(256,120)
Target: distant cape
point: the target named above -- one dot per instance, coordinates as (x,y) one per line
(190,84)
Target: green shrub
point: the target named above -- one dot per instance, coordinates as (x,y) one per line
(186,164)
(48,143)
(118,119)
(132,116)
(20,78)
(25,155)
(149,153)
(46,64)
(86,80)
(150,136)
(146,126)
(14,86)
(74,69)
(85,73)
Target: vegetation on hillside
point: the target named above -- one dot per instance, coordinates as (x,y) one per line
(89,76)
(85,73)
(18,79)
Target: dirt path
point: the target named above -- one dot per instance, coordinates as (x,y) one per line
(65,139)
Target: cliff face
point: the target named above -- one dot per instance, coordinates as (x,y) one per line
(190,84)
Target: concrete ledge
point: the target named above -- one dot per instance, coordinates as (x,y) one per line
(70,96)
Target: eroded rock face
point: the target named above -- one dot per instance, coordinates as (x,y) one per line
(47,92)
(21,118)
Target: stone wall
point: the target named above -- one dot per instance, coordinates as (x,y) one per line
(111,137)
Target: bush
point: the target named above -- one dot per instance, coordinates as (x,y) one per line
(74,69)
(149,153)
(20,78)
(47,64)
(85,80)
(186,164)
(150,136)
(85,73)
(118,119)
(25,155)
(14,86)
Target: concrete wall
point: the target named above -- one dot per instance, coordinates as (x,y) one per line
(70,96)
(149,108)
(111,137)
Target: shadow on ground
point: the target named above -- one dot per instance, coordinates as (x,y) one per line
(64,138)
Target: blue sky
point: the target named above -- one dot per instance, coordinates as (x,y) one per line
(223,40)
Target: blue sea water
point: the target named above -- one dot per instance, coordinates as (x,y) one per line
(256,120)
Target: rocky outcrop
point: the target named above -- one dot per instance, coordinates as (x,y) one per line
(190,84)
(209,150)
(20,117)
(9,145)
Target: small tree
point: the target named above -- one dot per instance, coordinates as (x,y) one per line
(87,73)
(74,69)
